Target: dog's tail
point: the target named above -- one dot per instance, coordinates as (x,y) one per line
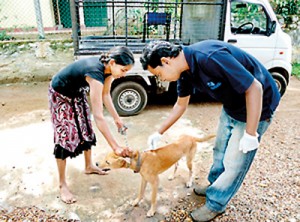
(205,138)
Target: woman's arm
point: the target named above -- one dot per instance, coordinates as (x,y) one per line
(96,91)
(107,100)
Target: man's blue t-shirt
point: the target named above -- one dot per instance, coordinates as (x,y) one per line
(225,72)
(70,80)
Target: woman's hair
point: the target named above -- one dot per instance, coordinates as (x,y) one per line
(121,54)
(154,51)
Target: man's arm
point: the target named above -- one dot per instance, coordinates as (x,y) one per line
(254,96)
(177,111)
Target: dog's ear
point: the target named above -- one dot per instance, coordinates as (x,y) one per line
(122,162)
(133,154)
(111,155)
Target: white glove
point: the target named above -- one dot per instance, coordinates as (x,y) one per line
(153,140)
(248,142)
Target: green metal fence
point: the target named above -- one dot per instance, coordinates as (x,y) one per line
(129,22)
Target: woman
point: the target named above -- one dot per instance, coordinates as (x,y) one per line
(70,112)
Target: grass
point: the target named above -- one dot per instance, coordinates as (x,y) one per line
(296,70)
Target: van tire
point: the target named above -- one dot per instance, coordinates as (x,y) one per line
(280,82)
(129,98)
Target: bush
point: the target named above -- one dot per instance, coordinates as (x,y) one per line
(4,36)
(286,9)
(296,69)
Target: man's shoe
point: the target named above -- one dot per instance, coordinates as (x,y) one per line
(203,214)
(200,190)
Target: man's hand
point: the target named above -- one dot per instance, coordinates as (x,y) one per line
(153,140)
(248,142)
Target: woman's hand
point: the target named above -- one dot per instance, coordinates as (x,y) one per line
(123,151)
(121,126)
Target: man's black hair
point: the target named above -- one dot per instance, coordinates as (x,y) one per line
(154,51)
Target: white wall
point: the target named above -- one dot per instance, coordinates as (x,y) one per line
(21,13)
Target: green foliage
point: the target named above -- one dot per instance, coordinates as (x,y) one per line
(137,20)
(13,47)
(247,12)
(61,45)
(171,8)
(134,21)
(152,6)
(296,70)
(4,36)
(286,8)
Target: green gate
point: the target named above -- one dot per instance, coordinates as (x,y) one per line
(62,13)
(95,13)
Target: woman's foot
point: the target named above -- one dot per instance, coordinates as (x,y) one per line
(65,195)
(95,170)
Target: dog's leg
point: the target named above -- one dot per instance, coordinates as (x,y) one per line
(189,162)
(171,177)
(189,183)
(154,184)
(141,192)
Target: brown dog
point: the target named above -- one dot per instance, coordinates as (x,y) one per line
(151,163)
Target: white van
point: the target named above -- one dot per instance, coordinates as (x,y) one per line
(249,24)
(260,34)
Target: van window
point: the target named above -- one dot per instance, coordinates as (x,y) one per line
(200,21)
(248,18)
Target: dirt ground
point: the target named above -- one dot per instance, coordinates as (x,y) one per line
(28,174)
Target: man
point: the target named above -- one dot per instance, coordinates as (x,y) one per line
(249,96)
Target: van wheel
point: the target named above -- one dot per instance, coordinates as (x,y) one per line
(280,82)
(129,98)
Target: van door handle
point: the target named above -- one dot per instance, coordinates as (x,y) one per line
(232,41)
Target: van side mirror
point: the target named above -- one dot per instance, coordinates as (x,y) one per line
(271,28)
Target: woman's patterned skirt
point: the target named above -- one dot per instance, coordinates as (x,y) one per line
(73,132)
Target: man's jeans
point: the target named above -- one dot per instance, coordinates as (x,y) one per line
(230,165)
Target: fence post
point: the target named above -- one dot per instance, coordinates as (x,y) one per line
(39,19)
(126,24)
(74,8)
